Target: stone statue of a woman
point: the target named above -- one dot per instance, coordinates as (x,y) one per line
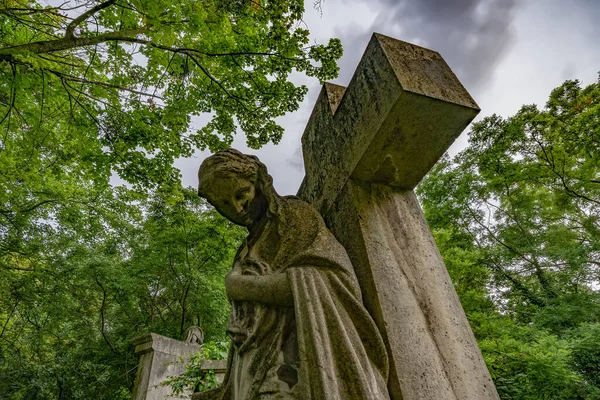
(298,327)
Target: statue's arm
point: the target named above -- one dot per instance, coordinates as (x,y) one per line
(271,289)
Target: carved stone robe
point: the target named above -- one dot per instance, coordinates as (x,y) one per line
(326,346)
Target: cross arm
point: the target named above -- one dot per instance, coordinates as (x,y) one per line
(401,111)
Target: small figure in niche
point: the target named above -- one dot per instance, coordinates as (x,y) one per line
(298,327)
(194,334)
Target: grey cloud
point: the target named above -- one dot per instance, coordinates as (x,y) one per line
(296,161)
(471,35)
(355,40)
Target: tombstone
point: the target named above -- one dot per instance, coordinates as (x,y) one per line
(365,148)
(162,357)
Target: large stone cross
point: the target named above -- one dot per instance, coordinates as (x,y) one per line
(365,149)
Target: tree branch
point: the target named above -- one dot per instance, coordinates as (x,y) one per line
(218,83)
(500,270)
(30,208)
(21,269)
(73,24)
(102,308)
(66,43)
(12,93)
(99,83)
(539,272)
(9,317)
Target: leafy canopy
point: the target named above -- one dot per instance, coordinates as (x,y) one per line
(98,87)
(516,216)
(69,311)
(92,89)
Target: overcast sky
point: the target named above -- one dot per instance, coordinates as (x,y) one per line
(506,52)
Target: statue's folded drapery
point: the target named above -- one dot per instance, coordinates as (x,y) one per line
(326,346)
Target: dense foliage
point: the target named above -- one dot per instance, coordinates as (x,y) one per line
(90,90)
(122,79)
(517,218)
(68,312)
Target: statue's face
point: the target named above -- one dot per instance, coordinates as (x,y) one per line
(237,199)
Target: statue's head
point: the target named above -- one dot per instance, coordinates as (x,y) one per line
(237,185)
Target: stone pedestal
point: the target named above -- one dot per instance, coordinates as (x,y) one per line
(160,357)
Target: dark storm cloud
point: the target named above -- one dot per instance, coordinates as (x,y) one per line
(471,35)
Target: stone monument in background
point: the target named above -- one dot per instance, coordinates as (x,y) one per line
(161,357)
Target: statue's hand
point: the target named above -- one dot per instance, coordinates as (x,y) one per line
(251,266)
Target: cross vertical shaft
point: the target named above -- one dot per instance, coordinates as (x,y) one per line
(365,148)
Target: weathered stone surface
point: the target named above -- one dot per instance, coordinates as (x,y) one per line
(365,148)
(298,327)
(433,353)
(159,358)
(401,111)
(219,366)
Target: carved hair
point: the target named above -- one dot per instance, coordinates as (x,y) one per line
(233,163)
